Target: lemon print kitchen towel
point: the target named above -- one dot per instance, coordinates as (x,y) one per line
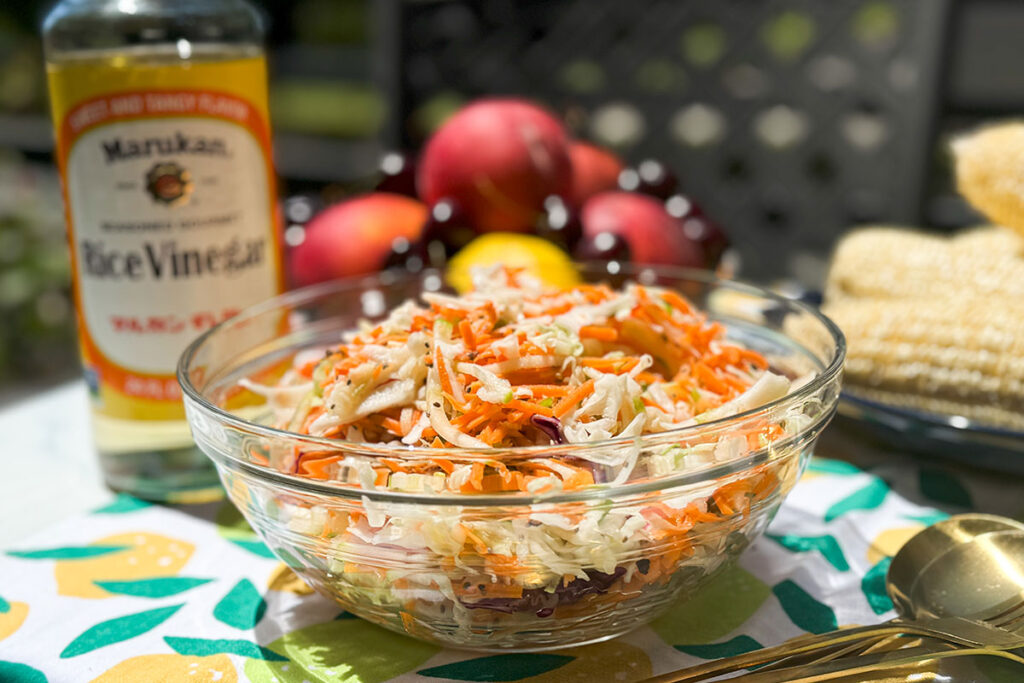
(139,592)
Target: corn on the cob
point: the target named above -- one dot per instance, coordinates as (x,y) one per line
(961,356)
(898,263)
(990,172)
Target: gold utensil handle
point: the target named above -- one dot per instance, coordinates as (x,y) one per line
(795,647)
(884,667)
(857,648)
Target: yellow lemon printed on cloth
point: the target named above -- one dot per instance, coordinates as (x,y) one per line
(12,618)
(888,543)
(809,475)
(613,660)
(147,556)
(283,579)
(171,669)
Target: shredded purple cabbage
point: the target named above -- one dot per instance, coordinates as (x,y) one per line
(598,471)
(543,603)
(551,426)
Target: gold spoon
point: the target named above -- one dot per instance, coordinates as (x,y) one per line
(960,580)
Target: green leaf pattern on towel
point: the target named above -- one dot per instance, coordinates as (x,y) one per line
(15,672)
(124,503)
(826,466)
(158,587)
(827,545)
(873,587)
(71,552)
(803,609)
(868,497)
(242,607)
(203,647)
(734,646)
(509,667)
(118,629)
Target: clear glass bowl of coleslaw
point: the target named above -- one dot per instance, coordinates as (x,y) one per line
(518,570)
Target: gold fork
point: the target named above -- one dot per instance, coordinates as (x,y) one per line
(962,632)
(902,665)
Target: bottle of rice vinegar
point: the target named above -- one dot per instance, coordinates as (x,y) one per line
(163,146)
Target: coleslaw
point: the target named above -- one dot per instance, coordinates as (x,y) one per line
(514,365)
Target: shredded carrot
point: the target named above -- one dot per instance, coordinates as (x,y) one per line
(478,544)
(466,330)
(529,407)
(599,332)
(532,376)
(709,379)
(503,564)
(408,622)
(574,397)
(677,302)
(393,426)
(444,377)
(445,466)
(476,476)
(394,465)
(318,467)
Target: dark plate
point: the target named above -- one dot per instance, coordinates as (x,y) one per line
(948,436)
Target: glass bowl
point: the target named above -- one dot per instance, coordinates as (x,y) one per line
(521,571)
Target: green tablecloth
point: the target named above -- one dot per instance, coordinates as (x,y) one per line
(136,592)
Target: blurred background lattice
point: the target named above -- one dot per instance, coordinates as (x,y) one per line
(789,120)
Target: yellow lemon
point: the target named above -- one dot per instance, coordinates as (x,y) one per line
(171,669)
(887,543)
(147,555)
(537,256)
(990,172)
(13,618)
(285,580)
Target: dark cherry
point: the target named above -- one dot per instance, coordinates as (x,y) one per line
(682,206)
(559,223)
(650,177)
(604,246)
(447,230)
(299,209)
(708,235)
(406,255)
(397,174)
(698,228)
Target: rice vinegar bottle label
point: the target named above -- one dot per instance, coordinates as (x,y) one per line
(171,222)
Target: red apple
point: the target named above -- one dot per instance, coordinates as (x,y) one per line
(355,236)
(653,235)
(594,170)
(498,159)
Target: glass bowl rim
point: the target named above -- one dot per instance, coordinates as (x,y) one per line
(387,278)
